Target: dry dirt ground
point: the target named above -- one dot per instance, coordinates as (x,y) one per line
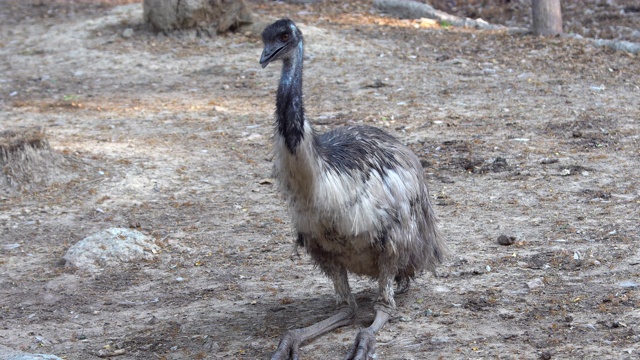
(533,138)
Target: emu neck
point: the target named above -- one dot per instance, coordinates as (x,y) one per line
(289,106)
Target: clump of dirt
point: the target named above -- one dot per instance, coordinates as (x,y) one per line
(28,162)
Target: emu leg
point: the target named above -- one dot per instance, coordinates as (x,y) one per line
(364,347)
(288,348)
(365,344)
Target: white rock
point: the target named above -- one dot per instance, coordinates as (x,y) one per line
(628,284)
(439,340)
(109,248)
(535,283)
(252,138)
(127,33)
(10,354)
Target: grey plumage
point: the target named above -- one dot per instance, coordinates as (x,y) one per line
(357,197)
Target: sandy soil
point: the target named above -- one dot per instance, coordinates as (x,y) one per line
(533,138)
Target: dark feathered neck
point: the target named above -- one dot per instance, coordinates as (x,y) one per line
(289,106)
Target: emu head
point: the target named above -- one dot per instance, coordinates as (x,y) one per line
(281,40)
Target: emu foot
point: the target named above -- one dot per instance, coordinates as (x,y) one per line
(289,346)
(364,347)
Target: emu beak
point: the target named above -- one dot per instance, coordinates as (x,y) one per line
(268,54)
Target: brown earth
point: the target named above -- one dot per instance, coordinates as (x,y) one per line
(531,138)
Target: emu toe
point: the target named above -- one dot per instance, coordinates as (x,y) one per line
(289,346)
(364,347)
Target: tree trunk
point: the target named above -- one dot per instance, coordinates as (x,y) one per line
(210,16)
(547,17)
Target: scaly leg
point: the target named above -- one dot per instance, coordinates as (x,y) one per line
(365,345)
(288,348)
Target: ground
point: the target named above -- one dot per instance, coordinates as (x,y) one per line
(532,138)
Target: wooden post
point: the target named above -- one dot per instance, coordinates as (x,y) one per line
(547,17)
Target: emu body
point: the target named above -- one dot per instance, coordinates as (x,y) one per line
(357,197)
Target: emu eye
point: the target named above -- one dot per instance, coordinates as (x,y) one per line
(284,37)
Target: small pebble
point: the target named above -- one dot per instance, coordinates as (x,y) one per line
(545,355)
(439,340)
(127,33)
(535,283)
(628,284)
(506,240)
(546,161)
(252,138)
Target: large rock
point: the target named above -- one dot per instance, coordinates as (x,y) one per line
(209,15)
(10,354)
(110,248)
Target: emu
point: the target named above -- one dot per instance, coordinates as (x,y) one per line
(358,200)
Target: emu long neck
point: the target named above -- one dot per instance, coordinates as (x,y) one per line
(289,106)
